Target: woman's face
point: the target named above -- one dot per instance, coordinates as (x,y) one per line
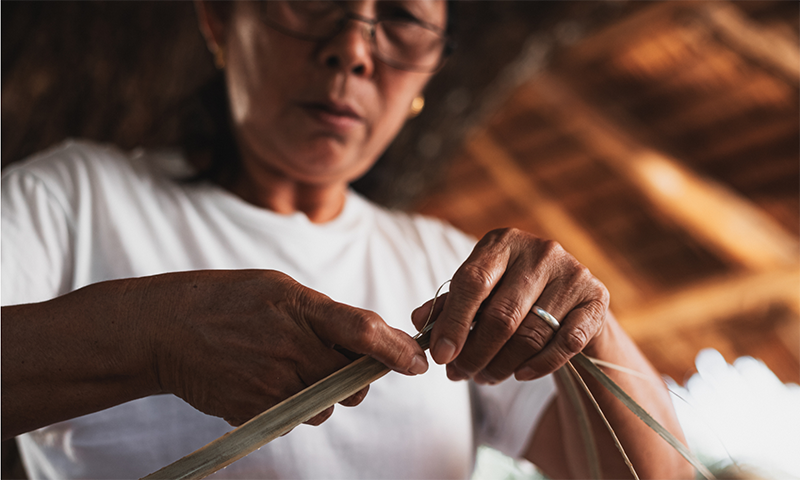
(317,112)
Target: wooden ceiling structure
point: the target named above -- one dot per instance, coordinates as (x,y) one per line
(663,151)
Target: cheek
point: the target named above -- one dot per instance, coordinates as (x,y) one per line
(398,89)
(242,72)
(256,87)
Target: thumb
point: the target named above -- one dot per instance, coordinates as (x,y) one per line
(365,332)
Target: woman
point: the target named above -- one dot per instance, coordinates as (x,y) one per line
(122,283)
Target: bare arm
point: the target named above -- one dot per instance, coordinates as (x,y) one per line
(557,448)
(61,359)
(230,343)
(486,331)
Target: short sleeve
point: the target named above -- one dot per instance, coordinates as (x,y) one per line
(507,413)
(36,251)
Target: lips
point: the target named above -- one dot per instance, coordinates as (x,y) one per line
(334,108)
(338,116)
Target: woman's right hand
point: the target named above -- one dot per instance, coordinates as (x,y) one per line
(234,343)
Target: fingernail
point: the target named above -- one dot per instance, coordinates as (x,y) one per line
(525,373)
(419,365)
(455,374)
(484,378)
(444,351)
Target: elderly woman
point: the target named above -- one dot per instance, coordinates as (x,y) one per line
(122,283)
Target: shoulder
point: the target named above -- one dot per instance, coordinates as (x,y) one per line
(77,168)
(68,159)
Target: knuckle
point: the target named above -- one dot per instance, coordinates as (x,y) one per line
(574,340)
(552,248)
(473,279)
(602,293)
(367,329)
(583,273)
(533,338)
(500,238)
(508,233)
(596,309)
(581,278)
(500,235)
(502,316)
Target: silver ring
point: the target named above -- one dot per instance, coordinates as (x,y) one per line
(545,315)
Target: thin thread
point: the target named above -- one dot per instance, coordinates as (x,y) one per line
(428,324)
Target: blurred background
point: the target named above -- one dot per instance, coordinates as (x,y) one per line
(659,142)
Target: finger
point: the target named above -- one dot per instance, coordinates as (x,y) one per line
(472,283)
(530,338)
(365,332)
(233,423)
(356,398)
(322,363)
(501,315)
(320,417)
(422,314)
(572,286)
(577,329)
(582,301)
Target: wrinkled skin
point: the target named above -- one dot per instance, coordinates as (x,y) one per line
(507,273)
(242,341)
(230,343)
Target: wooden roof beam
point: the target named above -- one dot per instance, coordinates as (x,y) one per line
(728,224)
(712,302)
(548,213)
(766,47)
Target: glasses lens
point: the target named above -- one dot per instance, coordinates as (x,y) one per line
(309,19)
(403,44)
(408,45)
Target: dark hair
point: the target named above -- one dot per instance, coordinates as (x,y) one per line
(207,137)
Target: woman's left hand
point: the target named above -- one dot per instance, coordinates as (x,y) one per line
(485,328)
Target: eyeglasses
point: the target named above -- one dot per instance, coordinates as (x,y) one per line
(399,40)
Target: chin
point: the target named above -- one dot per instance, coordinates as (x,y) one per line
(328,166)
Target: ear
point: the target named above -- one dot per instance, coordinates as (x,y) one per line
(212,26)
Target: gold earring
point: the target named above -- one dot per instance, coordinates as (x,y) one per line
(219,56)
(416,106)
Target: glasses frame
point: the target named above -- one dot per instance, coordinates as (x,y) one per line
(447,43)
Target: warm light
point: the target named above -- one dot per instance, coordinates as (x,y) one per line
(663,177)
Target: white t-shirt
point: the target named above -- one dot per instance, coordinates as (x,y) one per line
(82,213)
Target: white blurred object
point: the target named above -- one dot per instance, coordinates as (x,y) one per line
(741,412)
(493,465)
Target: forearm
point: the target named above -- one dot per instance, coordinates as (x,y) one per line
(73,355)
(651,456)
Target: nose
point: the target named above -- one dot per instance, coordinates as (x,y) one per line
(350,50)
